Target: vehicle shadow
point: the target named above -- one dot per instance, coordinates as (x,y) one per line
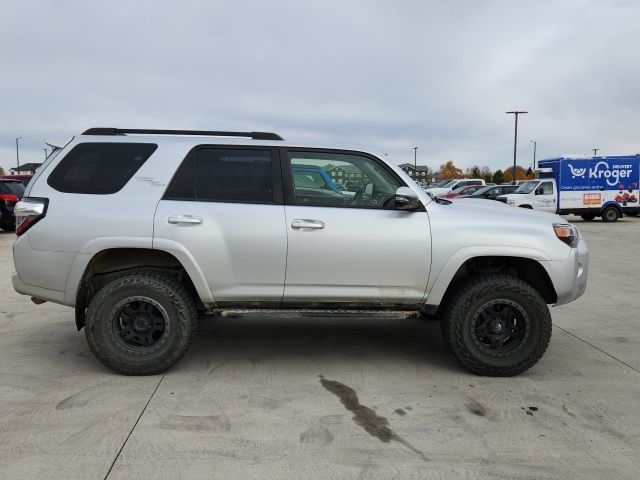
(316,338)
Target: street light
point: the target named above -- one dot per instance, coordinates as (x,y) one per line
(535,144)
(515,141)
(18,153)
(45,153)
(415,161)
(595,151)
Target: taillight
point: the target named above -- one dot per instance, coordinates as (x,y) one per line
(8,198)
(28,212)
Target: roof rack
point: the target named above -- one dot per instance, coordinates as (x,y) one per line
(207,133)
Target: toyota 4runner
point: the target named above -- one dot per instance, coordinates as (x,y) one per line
(143,230)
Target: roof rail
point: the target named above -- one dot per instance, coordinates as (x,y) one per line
(207,133)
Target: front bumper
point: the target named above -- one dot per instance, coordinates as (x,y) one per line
(569,276)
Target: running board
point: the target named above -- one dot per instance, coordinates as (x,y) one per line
(311,313)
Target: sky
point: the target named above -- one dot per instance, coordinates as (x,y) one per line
(381,75)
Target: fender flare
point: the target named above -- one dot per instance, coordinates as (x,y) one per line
(179,251)
(439,283)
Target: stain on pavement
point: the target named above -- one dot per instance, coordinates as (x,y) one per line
(374,424)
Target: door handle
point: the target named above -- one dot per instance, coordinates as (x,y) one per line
(303,224)
(184,220)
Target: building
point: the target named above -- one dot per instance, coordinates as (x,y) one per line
(347,176)
(421,174)
(26,169)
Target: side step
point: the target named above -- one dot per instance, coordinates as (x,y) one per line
(313,313)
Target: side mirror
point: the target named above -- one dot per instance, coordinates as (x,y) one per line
(407,199)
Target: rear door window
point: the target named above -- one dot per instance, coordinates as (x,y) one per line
(99,168)
(224,175)
(12,188)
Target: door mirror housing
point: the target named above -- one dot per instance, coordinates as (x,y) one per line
(407,199)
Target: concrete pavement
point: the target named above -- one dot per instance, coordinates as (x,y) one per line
(343,397)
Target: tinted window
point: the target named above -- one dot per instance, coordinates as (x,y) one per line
(99,168)
(12,188)
(328,179)
(224,175)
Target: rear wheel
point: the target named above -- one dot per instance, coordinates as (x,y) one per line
(588,217)
(141,323)
(497,325)
(526,206)
(610,214)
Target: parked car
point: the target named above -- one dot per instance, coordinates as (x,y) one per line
(24,179)
(142,230)
(11,192)
(453,185)
(491,192)
(468,190)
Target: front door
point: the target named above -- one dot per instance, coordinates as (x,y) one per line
(545,197)
(346,241)
(224,206)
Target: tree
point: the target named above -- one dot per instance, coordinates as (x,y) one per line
(475,172)
(529,173)
(486,174)
(521,174)
(449,170)
(1,171)
(498,177)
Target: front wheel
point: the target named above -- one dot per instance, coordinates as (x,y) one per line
(587,217)
(497,325)
(141,323)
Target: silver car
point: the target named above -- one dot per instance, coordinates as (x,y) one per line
(142,230)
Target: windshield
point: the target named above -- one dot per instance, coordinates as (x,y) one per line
(478,193)
(446,183)
(12,188)
(527,187)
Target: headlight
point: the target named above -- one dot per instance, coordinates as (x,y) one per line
(511,202)
(567,233)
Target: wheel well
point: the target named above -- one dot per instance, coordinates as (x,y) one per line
(524,268)
(108,264)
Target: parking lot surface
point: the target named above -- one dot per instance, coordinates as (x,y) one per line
(330,397)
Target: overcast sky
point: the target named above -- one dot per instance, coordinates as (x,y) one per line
(388,75)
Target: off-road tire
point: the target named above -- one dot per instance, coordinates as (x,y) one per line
(610,214)
(475,292)
(182,318)
(587,217)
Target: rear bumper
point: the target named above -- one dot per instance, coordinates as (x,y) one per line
(38,292)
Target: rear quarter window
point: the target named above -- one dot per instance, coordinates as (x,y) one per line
(99,168)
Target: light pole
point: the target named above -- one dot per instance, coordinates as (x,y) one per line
(18,153)
(415,161)
(515,141)
(535,144)
(595,151)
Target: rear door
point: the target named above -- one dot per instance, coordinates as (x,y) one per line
(354,247)
(224,205)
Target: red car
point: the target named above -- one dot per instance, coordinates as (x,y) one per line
(24,179)
(468,190)
(11,192)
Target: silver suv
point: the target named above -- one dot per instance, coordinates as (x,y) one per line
(143,230)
